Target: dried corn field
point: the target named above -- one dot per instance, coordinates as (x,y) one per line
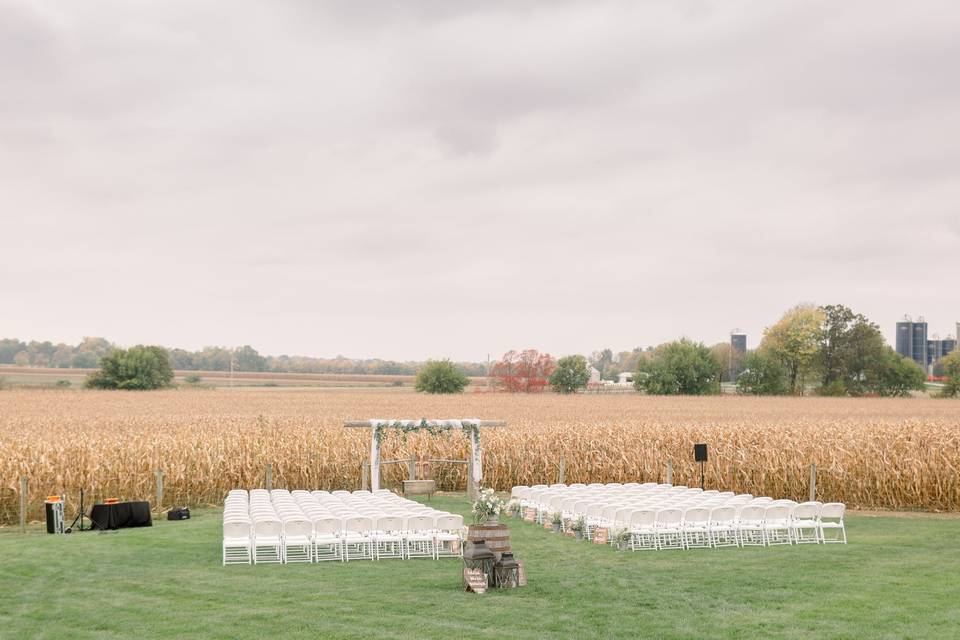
(871,453)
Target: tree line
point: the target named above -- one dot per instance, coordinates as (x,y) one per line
(90,351)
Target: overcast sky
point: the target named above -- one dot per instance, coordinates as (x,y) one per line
(452,179)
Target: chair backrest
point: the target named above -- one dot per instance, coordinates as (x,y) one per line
(776,513)
(697,515)
(669,516)
(594,511)
(329,525)
(722,515)
(807,510)
(643,517)
(389,523)
(622,514)
(419,523)
(236,529)
(358,524)
(833,510)
(752,513)
(298,527)
(267,528)
(580,507)
(449,522)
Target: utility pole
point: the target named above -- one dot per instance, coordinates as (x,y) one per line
(488,370)
(231,366)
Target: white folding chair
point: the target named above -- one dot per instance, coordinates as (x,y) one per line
(267,542)
(831,519)
(327,540)
(643,531)
(297,540)
(236,542)
(388,537)
(750,525)
(668,527)
(776,525)
(448,541)
(803,523)
(358,539)
(418,536)
(696,532)
(723,530)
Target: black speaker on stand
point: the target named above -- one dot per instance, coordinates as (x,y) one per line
(700,455)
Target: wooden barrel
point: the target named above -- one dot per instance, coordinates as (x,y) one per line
(496,536)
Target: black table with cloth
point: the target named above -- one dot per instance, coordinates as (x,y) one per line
(120,515)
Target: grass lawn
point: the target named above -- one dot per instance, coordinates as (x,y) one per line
(898,578)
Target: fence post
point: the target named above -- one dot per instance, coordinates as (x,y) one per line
(813,481)
(412,468)
(365,475)
(23,504)
(159,474)
(561,477)
(669,471)
(269,476)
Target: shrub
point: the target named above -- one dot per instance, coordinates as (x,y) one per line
(138,367)
(951,369)
(763,375)
(193,379)
(571,374)
(63,383)
(679,368)
(440,376)
(898,376)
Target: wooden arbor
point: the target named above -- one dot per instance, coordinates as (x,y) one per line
(379,428)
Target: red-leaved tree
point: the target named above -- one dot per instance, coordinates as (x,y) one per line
(526,371)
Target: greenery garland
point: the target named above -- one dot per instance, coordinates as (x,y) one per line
(380,433)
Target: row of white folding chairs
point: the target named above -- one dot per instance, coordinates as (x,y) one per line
(758,525)
(331,538)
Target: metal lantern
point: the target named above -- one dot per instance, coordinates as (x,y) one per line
(506,572)
(476,555)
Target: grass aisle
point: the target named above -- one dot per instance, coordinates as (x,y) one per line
(897,579)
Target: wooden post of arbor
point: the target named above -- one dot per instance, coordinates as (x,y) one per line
(412,468)
(471,489)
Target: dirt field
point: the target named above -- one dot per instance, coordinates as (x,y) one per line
(870,453)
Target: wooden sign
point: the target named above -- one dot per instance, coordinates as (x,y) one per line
(570,533)
(530,514)
(601,535)
(548,524)
(474,580)
(521,574)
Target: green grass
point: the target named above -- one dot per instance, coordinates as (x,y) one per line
(898,578)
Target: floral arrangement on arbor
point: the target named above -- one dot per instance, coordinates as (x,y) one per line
(487,506)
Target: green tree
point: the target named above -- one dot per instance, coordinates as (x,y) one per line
(951,369)
(440,376)
(795,341)
(571,374)
(138,367)
(763,375)
(851,359)
(898,376)
(679,368)
(246,358)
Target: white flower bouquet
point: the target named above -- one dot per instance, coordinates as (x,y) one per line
(487,506)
